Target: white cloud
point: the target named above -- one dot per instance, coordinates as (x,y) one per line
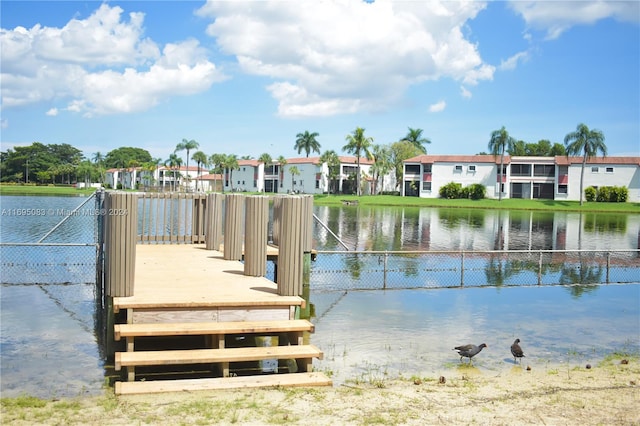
(512,62)
(99,65)
(52,112)
(4,123)
(555,17)
(465,92)
(438,106)
(344,56)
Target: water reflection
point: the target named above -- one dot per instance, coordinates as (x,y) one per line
(413,228)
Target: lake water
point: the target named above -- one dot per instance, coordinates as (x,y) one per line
(48,344)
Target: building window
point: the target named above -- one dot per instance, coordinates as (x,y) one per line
(412,169)
(562,189)
(594,170)
(471,168)
(544,170)
(521,170)
(458,168)
(426,186)
(609,170)
(426,168)
(255,184)
(317,184)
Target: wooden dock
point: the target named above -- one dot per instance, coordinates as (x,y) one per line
(193,310)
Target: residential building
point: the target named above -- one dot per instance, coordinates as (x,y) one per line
(309,176)
(523,177)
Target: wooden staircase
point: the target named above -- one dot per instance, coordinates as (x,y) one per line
(217,356)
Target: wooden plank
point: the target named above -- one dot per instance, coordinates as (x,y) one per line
(135,302)
(200,328)
(202,356)
(220,383)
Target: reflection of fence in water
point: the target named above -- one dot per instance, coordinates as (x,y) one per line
(339,270)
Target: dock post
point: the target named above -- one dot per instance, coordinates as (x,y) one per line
(307,240)
(233,221)
(120,236)
(121,233)
(213,221)
(290,256)
(255,236)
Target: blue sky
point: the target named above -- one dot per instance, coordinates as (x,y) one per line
(245,77)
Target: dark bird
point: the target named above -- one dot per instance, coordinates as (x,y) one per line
(516,351)
(469,351)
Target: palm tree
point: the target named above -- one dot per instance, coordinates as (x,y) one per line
(98,160)
(587,143)
(282,162)
(333,166)
(415,137)
(187,145)
(173,162)
(358,144)
(307,142)
(294,172)
(382,164)
(202,160)
(215,161)
(499,143)
(230,163)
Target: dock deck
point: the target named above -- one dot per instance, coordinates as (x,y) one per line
(186,290)
(188,275)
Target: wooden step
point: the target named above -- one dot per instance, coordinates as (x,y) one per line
(211,328)
(271,380)
(202,356)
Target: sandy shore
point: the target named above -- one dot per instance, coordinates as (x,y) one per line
(607,394)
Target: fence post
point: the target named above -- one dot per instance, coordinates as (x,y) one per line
(462,268)
(233,222)
(255,236)
(213,221)
(540,268)
(384,265)
(608,265)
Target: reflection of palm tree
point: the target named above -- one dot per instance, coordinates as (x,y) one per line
(354,264)
(581,274)
(498,272)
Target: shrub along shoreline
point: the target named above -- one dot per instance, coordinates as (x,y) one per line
(354,201)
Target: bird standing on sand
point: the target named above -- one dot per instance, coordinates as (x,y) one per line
(469,351)
(516,351)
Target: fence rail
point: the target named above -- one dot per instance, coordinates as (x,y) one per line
(339,270)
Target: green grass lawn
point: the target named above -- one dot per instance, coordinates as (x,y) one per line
(506,204)
(386,200)
(43,190)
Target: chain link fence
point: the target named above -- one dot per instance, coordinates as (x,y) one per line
(370,270)
(64,253)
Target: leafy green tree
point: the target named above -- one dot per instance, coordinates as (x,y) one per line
(586,142)
(499,143)
(120,157)
(333,168)
(307,142)
(415,137)
(558,149)
(216,161)
(187,145)
(401,151)
(519,149)
(359,145)
(202,160)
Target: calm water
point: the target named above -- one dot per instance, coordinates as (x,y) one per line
(362,333)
